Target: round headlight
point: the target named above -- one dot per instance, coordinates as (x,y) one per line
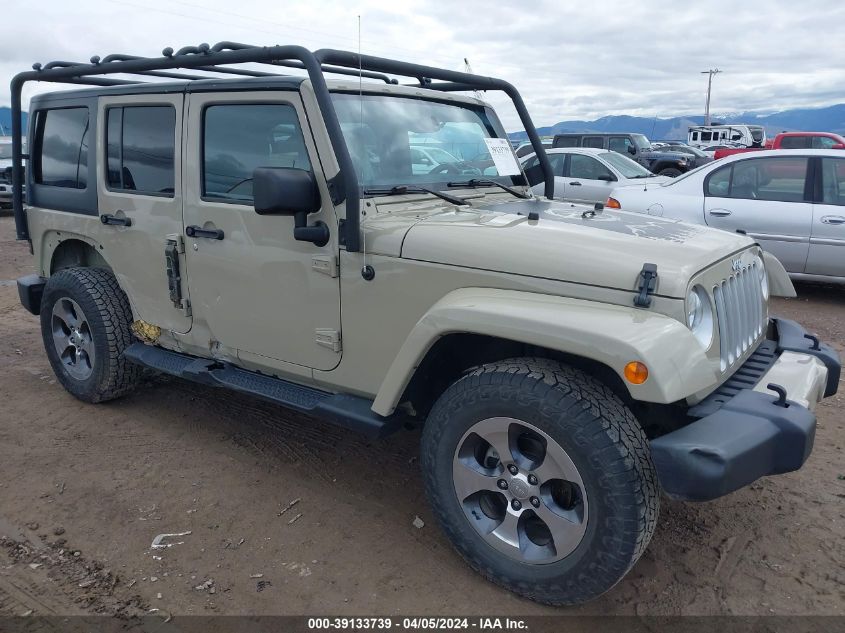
(700,316)
(694,309)
(764,277)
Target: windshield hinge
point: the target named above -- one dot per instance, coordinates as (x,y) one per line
(335,190)
(646,285)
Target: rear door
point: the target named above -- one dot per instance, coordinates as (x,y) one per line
(140,201)
(584,181)
(769,199)
(827,240)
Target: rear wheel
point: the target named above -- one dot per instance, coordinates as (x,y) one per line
(541,478)
(85,321)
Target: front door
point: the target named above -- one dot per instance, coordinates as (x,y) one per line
(587,180)
(140,200)
(258,290)
(764,198)
(827,241)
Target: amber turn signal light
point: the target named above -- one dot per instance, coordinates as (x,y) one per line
(612,203)
(636,372)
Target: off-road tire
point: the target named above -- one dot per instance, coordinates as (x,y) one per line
(603,439)
(108,313)
(672,172)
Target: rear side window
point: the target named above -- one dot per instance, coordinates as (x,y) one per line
(140,142)
(773,179)
(594,141)
(61,148)
(794,142)
(557,161)
(240,137)
(566,141)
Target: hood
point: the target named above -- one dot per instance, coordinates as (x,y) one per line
(607,249)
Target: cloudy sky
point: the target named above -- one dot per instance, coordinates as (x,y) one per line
(569,59)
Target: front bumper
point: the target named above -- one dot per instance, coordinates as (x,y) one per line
(744,431)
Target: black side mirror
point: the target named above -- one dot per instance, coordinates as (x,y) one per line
(632,150)
(288,191)
(284,191)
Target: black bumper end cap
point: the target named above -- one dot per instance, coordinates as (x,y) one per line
(749,437)
(30,291)
(792,337)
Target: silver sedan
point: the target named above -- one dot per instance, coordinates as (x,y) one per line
(588,175)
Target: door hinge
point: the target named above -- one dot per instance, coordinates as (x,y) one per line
(174,246)
(186,307)
(326,264)
(328,338)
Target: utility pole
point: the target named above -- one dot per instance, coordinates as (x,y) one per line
(710,73)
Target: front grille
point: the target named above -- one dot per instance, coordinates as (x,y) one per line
(740,313)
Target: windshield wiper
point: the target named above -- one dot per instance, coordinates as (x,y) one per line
(399,190)
(484,182)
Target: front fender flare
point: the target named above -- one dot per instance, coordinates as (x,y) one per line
(780,285)
(610,334)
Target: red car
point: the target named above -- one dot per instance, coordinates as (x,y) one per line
(792,140)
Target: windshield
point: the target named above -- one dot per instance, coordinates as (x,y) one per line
(6,150)
(642,142)
(627,167)
(409,141)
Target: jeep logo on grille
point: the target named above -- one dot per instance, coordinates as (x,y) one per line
(736,264)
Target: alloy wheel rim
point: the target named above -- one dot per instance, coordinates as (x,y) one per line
(520,490)
(72,338)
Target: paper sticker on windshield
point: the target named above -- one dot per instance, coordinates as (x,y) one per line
(502,155)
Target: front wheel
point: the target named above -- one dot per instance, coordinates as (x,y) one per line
(672,172)
(541,478)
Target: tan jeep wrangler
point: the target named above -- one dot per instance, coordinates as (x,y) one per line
(371,253)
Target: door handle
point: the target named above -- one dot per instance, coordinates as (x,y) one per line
(719,213)
(575,183)
(113,220)
(833,219)
(198,231)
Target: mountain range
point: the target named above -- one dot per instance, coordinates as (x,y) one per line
(829,119)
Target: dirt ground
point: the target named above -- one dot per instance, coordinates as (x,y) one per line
(84,490)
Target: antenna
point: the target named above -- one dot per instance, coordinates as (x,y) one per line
(468,68)
(367,271)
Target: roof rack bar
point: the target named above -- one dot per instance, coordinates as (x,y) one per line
(237,46)
(343,186)
(236,71)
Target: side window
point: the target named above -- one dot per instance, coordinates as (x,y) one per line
(531,162)
(793,142)
(823,142)
(706,136)
(140,143)
(586,167)
(418,158)
(593,141)
(567,141)
(719,182)
(557,161)
(833,181)
(60,158)
(619,144)
(695,136)
(238,138)
(775,179)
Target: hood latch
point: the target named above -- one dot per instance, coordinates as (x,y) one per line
(647,284)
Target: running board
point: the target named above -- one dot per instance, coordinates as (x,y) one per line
(344,410)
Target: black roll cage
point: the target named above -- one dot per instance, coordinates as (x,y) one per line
(218,58)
